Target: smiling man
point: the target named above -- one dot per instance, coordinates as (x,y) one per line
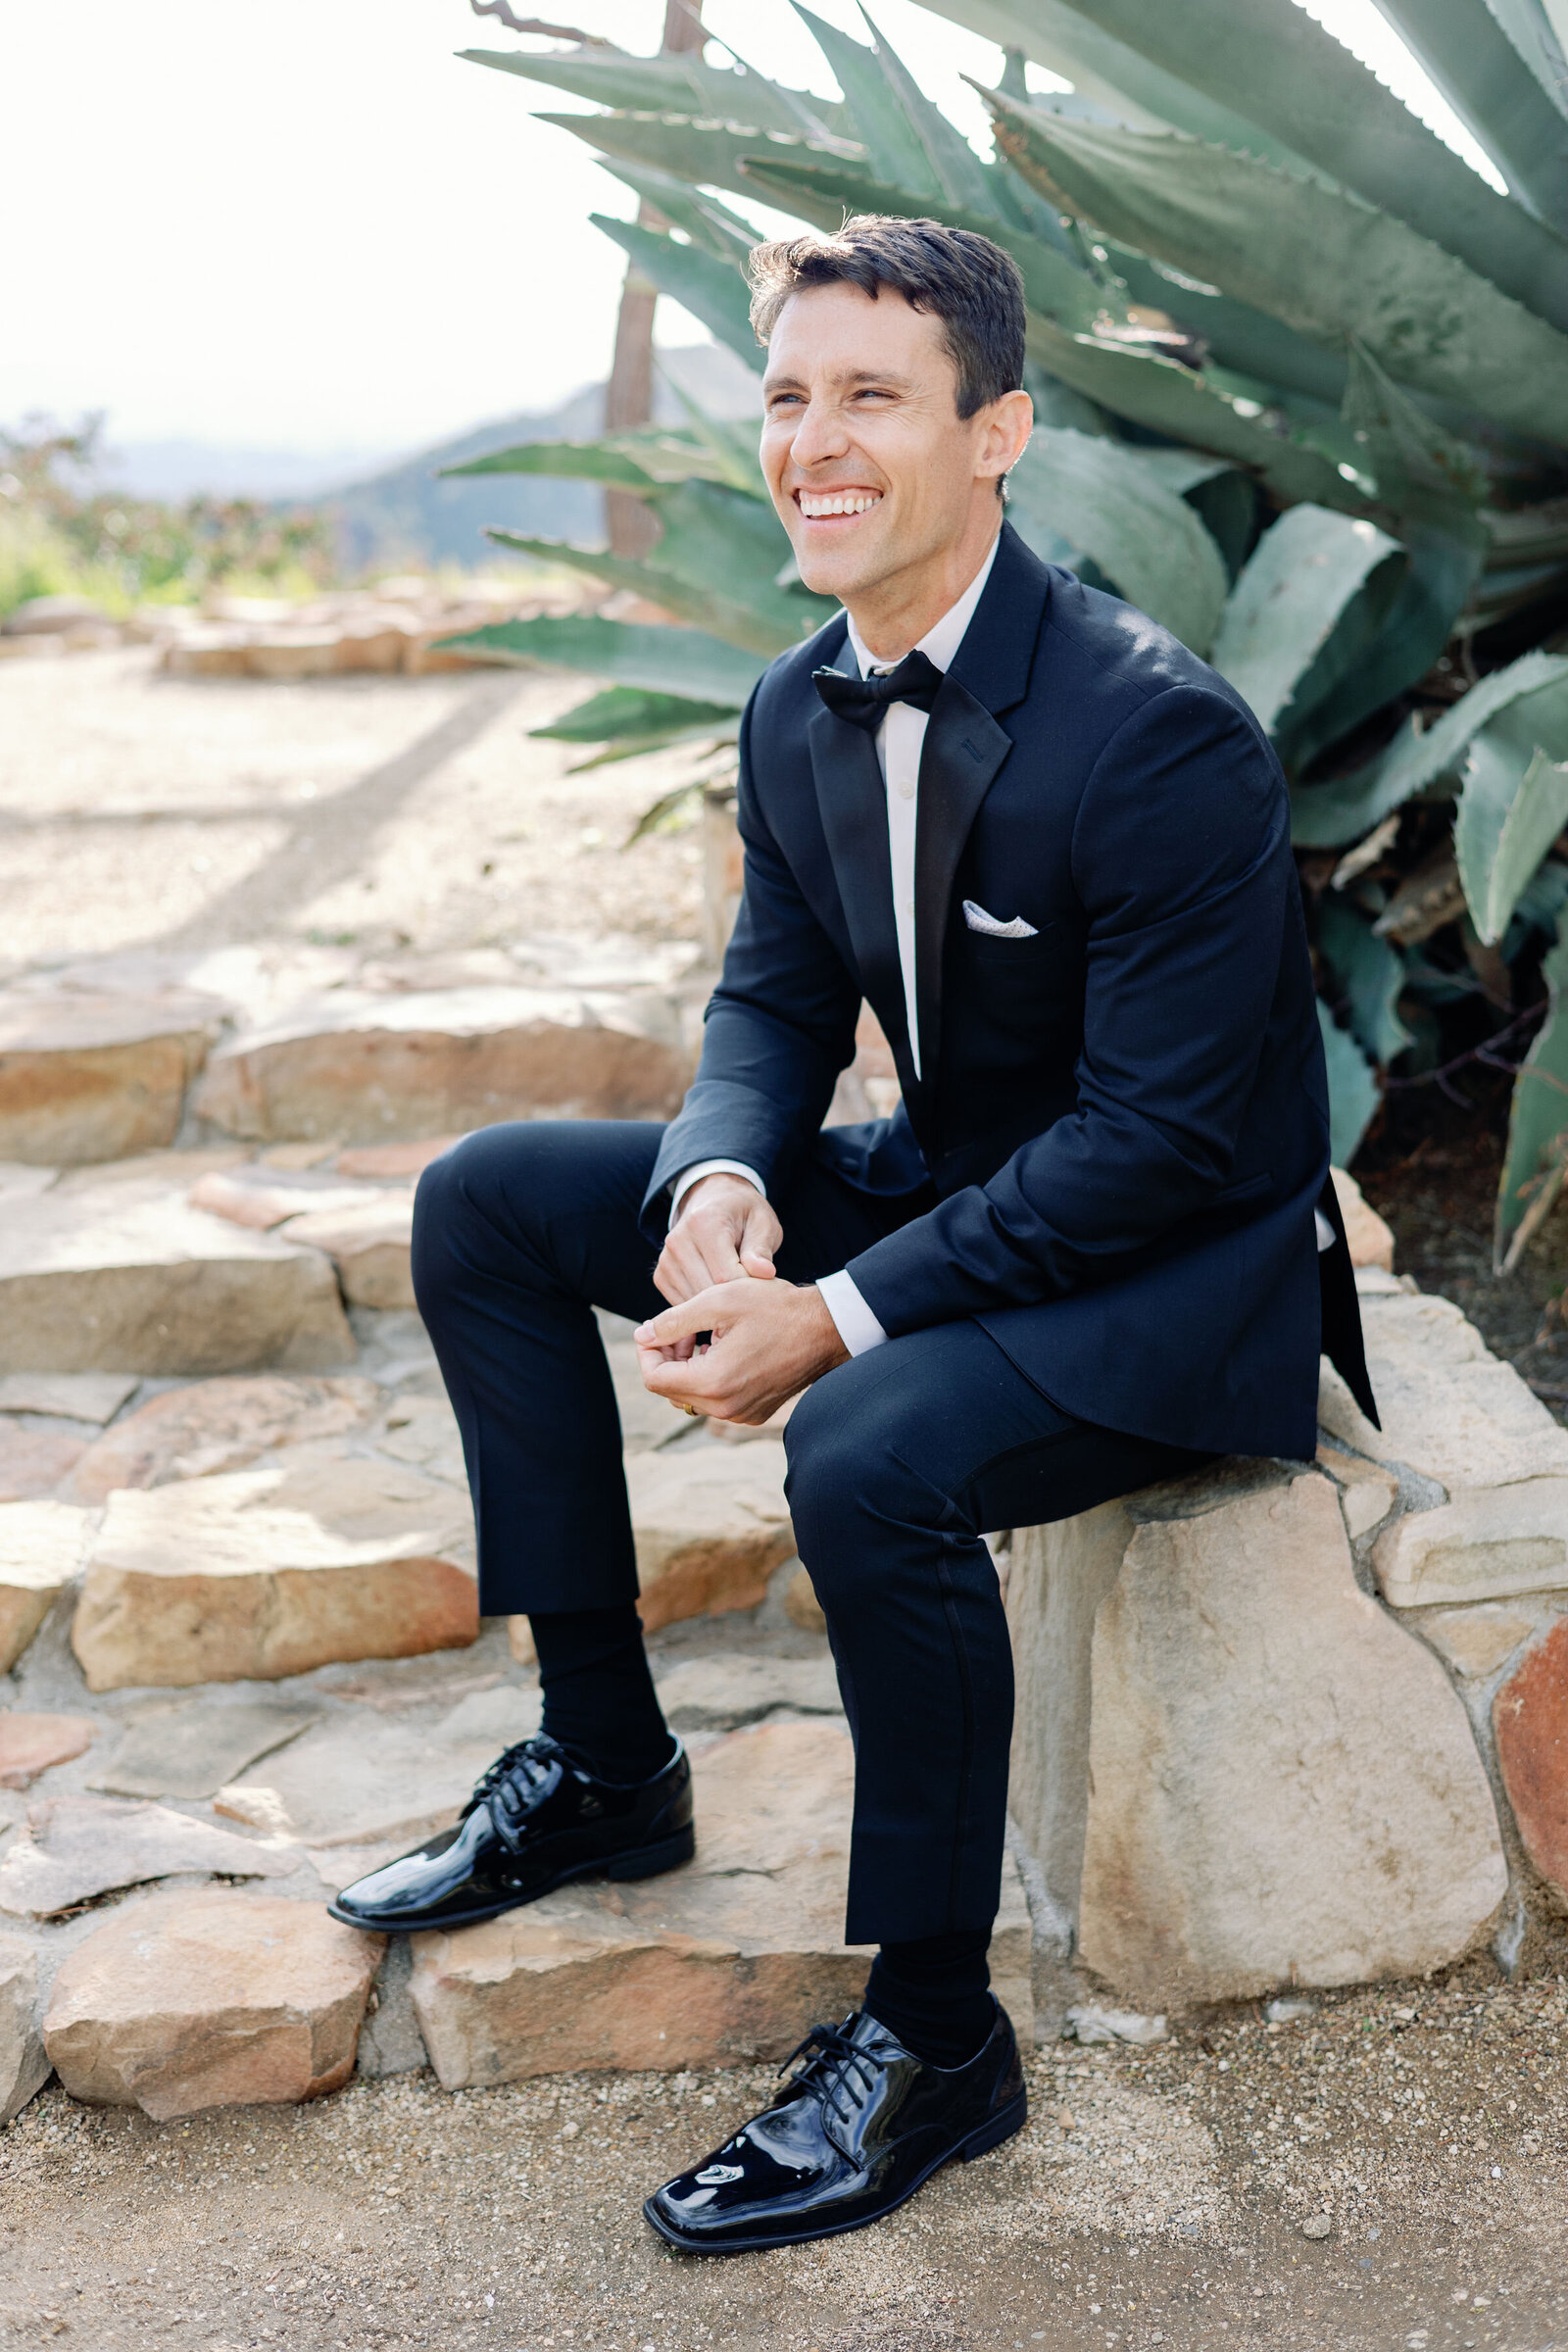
(1095,1246)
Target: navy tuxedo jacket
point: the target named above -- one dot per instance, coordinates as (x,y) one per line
(1124,1118)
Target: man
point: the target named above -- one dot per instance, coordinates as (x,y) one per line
(1051,850)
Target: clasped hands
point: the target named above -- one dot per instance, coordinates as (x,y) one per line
(769,1339)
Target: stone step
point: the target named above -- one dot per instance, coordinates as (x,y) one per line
(263,1573)
(87,1076)
(42,1545)
(111,1270)
(213,1998)
(366,1068)
(728,1959)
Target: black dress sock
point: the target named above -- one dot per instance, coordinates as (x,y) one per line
(597,1692)
(933,1995)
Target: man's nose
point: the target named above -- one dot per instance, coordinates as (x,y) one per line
(819,434)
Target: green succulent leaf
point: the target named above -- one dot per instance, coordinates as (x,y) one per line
(1269,60)
(1540,38)
(706,153)
(819,192)
(716,564)
(1235,333)
(676,84)
(962,179)
(1323,261)
(1422,471)
(714,291)
(1536,680)
(875,108)
(708,222)
(622,712)
(1113,75)
(1536,1159)
(1495,93)
(636,652)
(1144,537)
(1371,972)
(1442,571)
(1151,390)
(1313,595)
(1512,807)
(1353,1097)
(606,460)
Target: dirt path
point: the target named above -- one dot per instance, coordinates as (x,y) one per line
(1156,2199)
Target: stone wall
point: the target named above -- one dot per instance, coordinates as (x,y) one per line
(1286,1724)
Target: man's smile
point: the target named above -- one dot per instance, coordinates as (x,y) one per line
(820,505)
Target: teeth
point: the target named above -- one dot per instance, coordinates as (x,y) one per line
(815,504)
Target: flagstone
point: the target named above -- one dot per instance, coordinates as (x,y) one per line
(219,1425)
(29,1744)
(42,1545)
(34,1461)
(93,1077)
(75,1847)
(710,1525)
(191,1747)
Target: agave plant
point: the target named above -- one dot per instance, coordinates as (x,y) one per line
(1301,383)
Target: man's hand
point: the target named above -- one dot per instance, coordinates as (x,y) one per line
(725,1233)
(769,1341)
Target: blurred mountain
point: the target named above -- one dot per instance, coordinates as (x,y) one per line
(174,470)
(403,515)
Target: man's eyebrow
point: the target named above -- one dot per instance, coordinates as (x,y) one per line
(786,382)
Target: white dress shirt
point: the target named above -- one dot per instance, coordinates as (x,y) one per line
(900,740)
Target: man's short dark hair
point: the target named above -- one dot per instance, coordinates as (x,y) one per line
(972,285)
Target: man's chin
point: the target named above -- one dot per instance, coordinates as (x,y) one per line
(843,572)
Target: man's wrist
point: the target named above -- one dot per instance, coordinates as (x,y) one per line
(690,1178)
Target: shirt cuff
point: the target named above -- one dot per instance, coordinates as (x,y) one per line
(858,1327)
(1325,1232)
(709,1168)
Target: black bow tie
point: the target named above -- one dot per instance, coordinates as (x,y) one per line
(863,701)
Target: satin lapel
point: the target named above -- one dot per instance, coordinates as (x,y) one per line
(962,751)
(852,801)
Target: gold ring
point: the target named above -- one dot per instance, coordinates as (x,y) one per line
(686,1409)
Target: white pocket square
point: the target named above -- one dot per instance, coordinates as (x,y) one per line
(978,920)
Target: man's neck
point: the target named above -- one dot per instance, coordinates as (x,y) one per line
(892,615)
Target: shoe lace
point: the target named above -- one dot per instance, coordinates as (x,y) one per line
(836,2068)
(514,1777)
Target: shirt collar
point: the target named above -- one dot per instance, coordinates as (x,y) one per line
(941,642)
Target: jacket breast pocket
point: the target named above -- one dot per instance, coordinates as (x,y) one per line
(1014,955)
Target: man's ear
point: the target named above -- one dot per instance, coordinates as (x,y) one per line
(1008,423)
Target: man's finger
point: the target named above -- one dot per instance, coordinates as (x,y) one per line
(692,1315)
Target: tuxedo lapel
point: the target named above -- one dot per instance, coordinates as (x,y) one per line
(963,750)
(852,804)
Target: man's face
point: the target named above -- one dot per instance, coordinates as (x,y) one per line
(869,464)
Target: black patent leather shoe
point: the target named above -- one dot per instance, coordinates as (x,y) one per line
(536,1821)
(850,2137)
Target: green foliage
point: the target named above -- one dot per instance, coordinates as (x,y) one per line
(1537,1162)
(1301,380)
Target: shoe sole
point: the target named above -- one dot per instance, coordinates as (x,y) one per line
(980,2142)
(643,1862)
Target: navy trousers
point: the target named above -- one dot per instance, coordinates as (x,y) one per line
(899,1462)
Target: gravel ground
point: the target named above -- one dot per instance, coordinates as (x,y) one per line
(1158,2198)
(144,811)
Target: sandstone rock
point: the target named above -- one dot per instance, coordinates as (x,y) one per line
(730,1958)
(1449,1409)
(76,1848)
(71,1396)
(122,1275)
(360,1784)
(266,1572)
(96,1077)
(423,1431)
(710,1525)
(191,1748)
(34,1461)
(1484,1545)
(210,1999)
(520,1641)
(217,1425)
(374,1068)
(1530,1716)
(1367,1492)
(369,1244)
(23,2063)
(1283,1785)
(42,1548)
(52,615)
(1477,1641)
(719,1693)
(30,1744)
(382,1160)
(802,1606)
(263,1196)
(1369,1238)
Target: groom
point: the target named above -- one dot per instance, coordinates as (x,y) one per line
(1051,850)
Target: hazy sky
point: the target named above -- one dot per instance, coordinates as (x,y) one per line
(308,225)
